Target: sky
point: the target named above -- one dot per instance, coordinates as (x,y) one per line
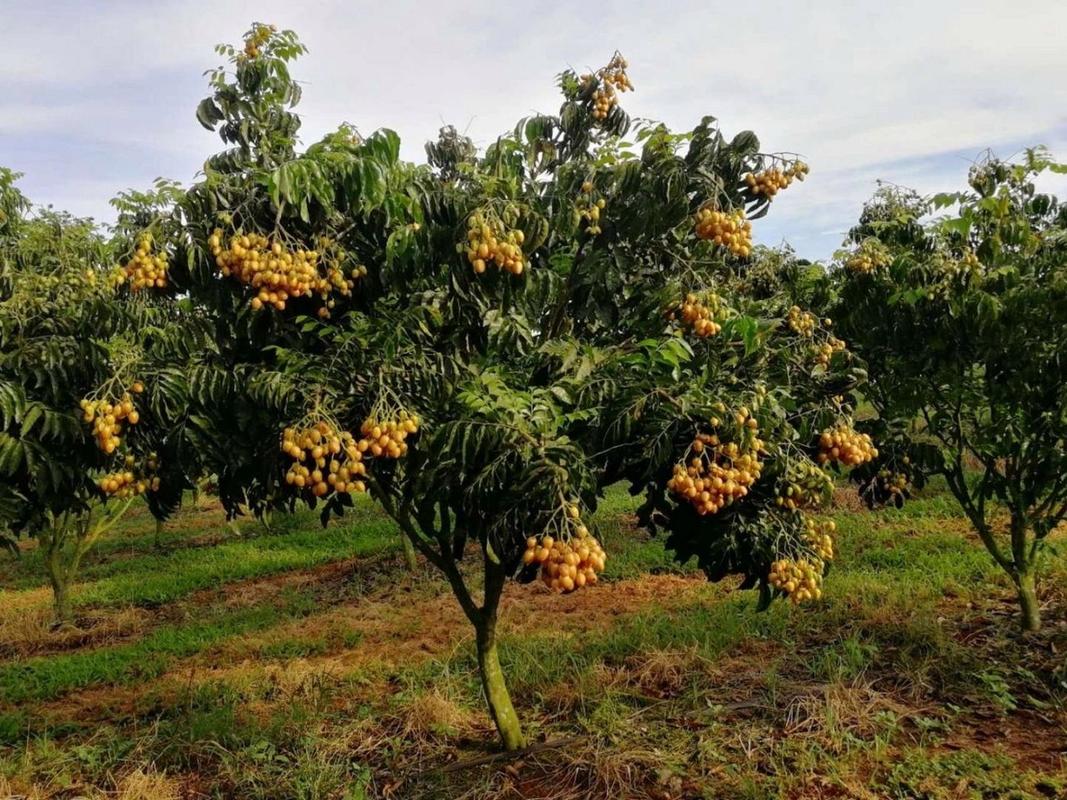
(99,97)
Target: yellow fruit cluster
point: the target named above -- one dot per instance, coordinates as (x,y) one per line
(893,482)
(865,259)
(110,280)
(566,564)
(108,418)
(845,446)
(489,241)
(613,79)
(146,270)
(279,273)
(965,266)
(825,351)
(800,579)
(805,486)
(324,460)
(386,438)
(800,322)
(259,36)
(771,181)
(131,481)
(819,536)
(589,209)
(718,474)
(699,314)
(730,230)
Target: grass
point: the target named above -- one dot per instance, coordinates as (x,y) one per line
(908,681)
(157,578)
(48,677)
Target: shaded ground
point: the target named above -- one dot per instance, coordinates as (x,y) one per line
(351,677)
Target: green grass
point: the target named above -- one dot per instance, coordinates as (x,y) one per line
(48,677)
(157,578)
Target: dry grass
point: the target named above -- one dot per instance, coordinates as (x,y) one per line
(831,711)
(10,790)
(140,785)
(431,715)
(28,631)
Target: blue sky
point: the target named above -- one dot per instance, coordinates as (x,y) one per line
(97,97)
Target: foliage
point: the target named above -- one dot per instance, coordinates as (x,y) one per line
(349,291)
(962,321)
(75,353)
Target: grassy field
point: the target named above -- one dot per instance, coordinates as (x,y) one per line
(308,663)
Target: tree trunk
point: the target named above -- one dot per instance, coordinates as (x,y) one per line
(159,535)
(496,690)
(1025,573)
(1026,584)
(409,553)
(52,543)
(57,576)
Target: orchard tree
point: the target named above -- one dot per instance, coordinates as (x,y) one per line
(962,321)
(88,396)
(485,342)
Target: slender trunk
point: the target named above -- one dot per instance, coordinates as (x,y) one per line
(61,600)
(1026,585)
(57,576)
(409,553)
(496,690)
(159,535)
(1025,573)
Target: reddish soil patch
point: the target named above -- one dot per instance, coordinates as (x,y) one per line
(1033,740)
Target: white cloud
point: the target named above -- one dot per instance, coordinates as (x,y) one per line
(863,89)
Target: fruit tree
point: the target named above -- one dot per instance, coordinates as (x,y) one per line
(88,391)
(486,341)
(963,323)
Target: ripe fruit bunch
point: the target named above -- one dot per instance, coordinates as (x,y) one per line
(566,564)
(258,37)
(800,322)
(324,460)
(108,418)
(963,267)
(146,269)
(825,351)
(819,536)
(805,486)
(110,279)
(131,481)
(278,272)
(489,241)
(845,446)
(30,293)
(699,313)
(718,474)
(386,438)
(771,181)
(893,482)
(589,209)
(865,259)
(612,79)
(800,579)
(730,230)
(113,278)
